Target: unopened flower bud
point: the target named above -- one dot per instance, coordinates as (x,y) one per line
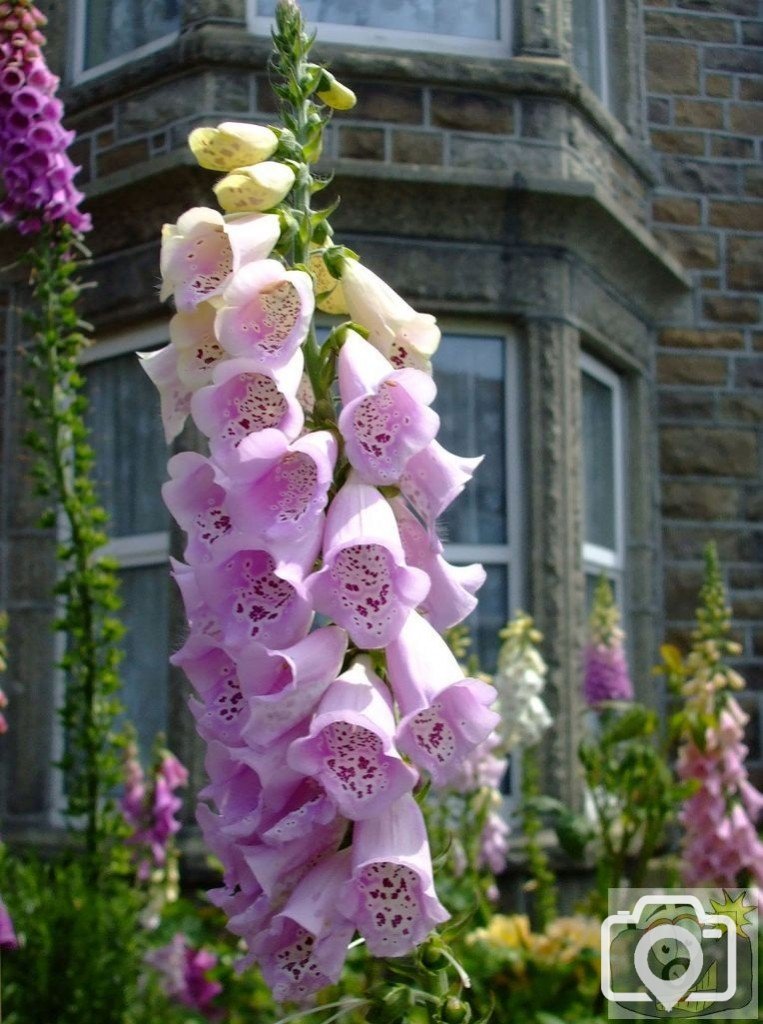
(456,1011)
(334,94)
(255,188)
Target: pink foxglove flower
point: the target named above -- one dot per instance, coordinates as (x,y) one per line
(605,673)
(204,249)
(365,584)
(184,971)
(161,367)
(8,939)
(386,416)
(391,897)
(350,747)
(403,336)
(3,706)
(196,346)
(265,313)
(37,173)
(444,715)
(150,808)
(434,478)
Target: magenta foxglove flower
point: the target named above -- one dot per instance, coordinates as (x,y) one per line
(8,939)
(305,946)
(265,313)
(3,719)
(386,416)
(197,497)
(254,600)
(365,584)
(434,478)
(150,806)
(403,336)
(246,398)
(350,747)
(391,898)
(184,973)
(204,249)
(606,676)
(37,173)
(445,716)
(451,597)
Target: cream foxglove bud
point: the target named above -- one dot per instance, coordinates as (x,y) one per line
(232,144)
(334,94)
(254,188)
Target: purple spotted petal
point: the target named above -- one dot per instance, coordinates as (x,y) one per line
(289,683)
(244,399)
(198,351)
(266,312)
(451,595)
(365,584)
(175,396)
(305,946)
(278,495)
(350,747)
(434,478)
(253,601)
(203,621)
(445,715)
(197,498)
(202,251)
(223,709)
(386,418)
(391,897)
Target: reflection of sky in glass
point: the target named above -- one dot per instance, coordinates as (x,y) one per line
(469,373)
(470,19)
(489,616)
(145,614)
(115,27)
(598,463)
(127,436)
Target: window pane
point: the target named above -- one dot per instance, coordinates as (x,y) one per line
(115,27)
(598,463)
(130,451)
(489,616)
(586,36)
(470,374)
(145,614)
(470,19)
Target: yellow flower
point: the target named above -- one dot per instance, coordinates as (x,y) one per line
(232,144)
(511,931)
(254,188)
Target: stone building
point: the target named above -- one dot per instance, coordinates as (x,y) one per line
(574,187)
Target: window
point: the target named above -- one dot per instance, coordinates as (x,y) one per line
(476,376)
(590,45)
(478,27)
(107,32)
(603,477)
(130,467)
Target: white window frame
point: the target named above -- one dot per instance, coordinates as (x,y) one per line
(393,39)
(78,26)
(601,87)
(598,559)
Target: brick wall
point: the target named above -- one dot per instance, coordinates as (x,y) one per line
(703,64)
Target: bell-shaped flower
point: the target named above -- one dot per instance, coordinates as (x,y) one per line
(279,491)
(350,746)
(285,686)
(451,595)
(434,478)
(232,144)
(329,297)
(203,621)
(254,600)
(402,335)
(278,867)
(364,584)
(265,313)
(244,399)
(197,497)
(305,946)
(386,416)
(201,252)
(255,187)
(391,897)
(445,715)
(223,710)
(197,349)
(8,938)
(161,367)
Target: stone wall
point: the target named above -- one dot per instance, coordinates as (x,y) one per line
(704,63)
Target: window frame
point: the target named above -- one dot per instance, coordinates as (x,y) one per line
(601,88)
(402,39)
(78,27)
(597,559)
